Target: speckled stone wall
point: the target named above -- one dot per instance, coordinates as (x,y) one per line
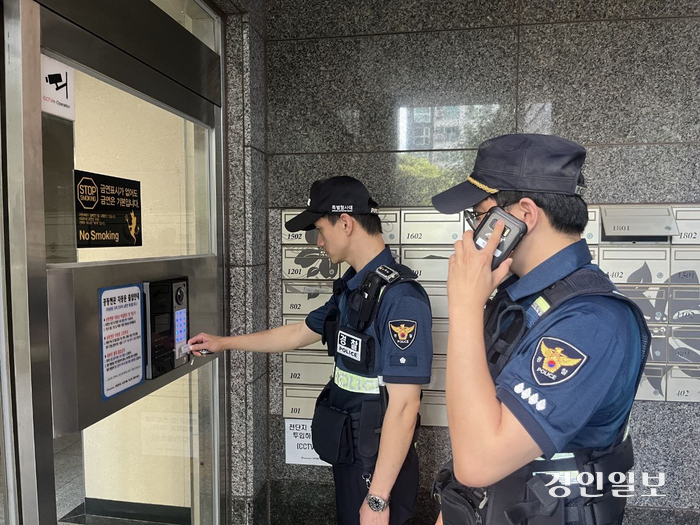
(246,179)
(348,83)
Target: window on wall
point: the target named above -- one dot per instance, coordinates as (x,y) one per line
(421,136)
(140,183)
(421,115)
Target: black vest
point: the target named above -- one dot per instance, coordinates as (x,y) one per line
(352,436)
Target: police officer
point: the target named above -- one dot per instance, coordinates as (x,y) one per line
(541,378)
(377,325)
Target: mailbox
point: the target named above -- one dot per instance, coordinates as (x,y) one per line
(684,305)
(306,368)
(309,262)
(441,330)
(685,266)
(428,226)
(300,401)
(437,293)
(294,319)
(595,251)
(684,345)
(652,387)
(302,237)
(429,262)
(652,300)
(688,221)
(303,297)
(632,264)
(391,228)
(638,224)
(683,384)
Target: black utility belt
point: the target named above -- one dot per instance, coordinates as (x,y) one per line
(522,498)
(338,437)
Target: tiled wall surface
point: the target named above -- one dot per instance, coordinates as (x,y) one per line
(399,94)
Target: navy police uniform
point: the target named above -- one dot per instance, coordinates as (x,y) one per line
(377,325)
(403,354)
(552,381)
(566,352)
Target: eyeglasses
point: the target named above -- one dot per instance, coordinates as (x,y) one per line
(474,217)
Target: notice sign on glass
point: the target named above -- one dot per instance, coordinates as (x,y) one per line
(107,211)
(121,339)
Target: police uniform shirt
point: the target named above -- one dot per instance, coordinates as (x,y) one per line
(572,379)
(403,337)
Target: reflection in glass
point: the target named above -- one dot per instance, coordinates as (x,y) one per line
(538,118)
(193,17)
(444,127)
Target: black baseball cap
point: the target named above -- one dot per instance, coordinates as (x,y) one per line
(334,195)
(519,162)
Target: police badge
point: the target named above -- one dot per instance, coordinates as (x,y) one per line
(403,332)
(556,361)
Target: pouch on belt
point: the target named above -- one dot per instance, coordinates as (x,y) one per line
(331,432)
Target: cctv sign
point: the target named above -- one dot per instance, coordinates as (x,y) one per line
(57,88)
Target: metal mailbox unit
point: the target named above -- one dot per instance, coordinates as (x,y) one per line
(652,252)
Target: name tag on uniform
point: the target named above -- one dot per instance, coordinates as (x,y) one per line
(349,345)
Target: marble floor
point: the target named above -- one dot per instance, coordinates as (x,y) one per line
(68,468)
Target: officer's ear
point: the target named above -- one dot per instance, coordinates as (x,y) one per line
(527,211)
(347,223)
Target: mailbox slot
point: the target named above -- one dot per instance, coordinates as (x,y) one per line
(303,297)
(635,265)
(652,387)
(429,262)
(428,226)
(300,401)
(307,368)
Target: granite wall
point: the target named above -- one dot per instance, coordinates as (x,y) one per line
(245,172)
(400,93)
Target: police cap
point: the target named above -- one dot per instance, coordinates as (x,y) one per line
(519,162)
(335,195)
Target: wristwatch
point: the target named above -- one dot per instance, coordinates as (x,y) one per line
(376,503)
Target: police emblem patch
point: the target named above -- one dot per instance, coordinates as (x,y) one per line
(403,332)
(556,361)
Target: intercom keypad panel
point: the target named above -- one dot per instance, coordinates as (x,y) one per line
(652,253)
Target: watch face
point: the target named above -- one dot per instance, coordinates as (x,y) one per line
(375,503)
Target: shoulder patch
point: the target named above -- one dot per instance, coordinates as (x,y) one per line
(403,332)
(556,361)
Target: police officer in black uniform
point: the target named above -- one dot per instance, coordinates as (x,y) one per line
(377,325)
(540,378)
